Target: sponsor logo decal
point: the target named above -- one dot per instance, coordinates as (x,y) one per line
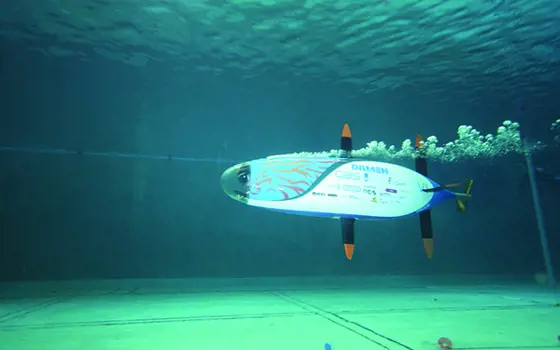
(370,169)
(393,182)
(351,188)
(390,196)
(322,194)
(351,196)
(347,175)
(369,190)
(372,192)
(390,201)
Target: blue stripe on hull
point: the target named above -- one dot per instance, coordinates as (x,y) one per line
(336,215)
(437,199)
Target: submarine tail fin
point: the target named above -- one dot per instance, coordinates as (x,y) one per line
(462,199)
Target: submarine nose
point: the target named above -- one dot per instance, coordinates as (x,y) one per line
(235,181)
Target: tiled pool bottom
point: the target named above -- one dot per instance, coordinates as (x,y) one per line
(356,313)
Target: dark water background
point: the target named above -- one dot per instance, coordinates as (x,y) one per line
(220,86)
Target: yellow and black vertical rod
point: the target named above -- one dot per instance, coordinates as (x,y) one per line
(421,167)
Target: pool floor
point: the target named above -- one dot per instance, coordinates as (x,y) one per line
(349,313)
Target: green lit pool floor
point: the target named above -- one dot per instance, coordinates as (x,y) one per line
(284,313)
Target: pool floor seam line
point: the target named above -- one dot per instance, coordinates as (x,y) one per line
(321,313)
(7,315)
(223,317)
(10,316)
(138,291)
(449,309)
(27,311)
(51,301)
(176,319)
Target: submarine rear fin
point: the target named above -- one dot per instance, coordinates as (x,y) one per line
(462,198)
(421,165)
(448,186)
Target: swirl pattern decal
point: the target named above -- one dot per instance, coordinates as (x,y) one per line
(282,179)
